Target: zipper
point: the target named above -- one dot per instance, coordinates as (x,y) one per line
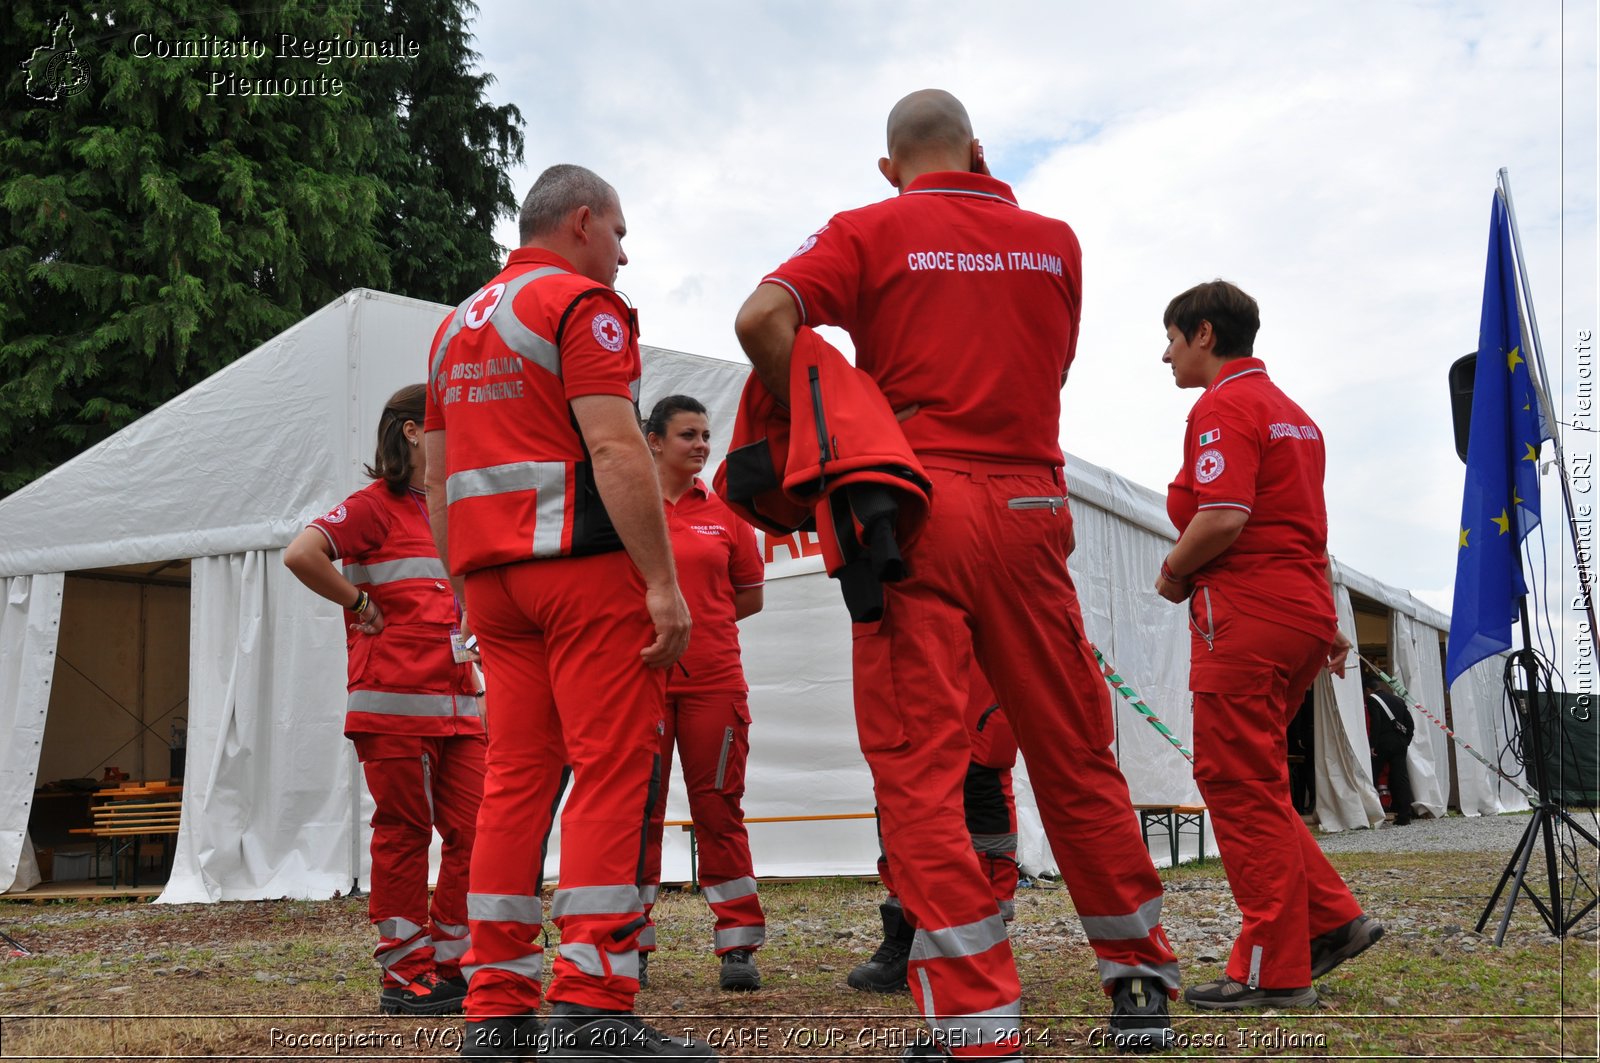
(1203,593)
(1050,502)
(722,758)
(427,783)
(822,418)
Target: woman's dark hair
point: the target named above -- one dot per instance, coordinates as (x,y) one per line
(392,462)
(1235,318)
(667,408)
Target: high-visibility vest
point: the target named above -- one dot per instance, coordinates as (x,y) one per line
(519,484)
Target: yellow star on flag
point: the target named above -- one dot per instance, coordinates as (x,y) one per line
(1503,520)
(1516,499)
(1463,536)
(1533,453)
(1513,360)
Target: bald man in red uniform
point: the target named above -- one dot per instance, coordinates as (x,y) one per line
(964,308)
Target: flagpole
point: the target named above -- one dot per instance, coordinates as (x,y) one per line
(1547,408)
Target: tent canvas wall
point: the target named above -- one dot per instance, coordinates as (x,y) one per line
(227,473)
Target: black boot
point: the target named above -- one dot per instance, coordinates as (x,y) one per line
(886,971)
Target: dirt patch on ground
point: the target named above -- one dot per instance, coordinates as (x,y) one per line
(295,980)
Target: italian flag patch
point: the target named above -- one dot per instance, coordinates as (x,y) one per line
(1208,438)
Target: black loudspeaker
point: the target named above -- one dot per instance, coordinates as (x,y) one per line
(1462,374)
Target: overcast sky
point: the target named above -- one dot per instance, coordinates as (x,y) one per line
(1336,161)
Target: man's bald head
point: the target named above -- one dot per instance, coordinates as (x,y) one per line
(929,130)
(929,120)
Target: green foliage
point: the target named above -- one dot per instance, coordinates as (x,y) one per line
(160,222)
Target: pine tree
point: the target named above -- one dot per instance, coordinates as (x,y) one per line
(163,215)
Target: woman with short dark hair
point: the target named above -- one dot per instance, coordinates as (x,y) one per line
(1252,563)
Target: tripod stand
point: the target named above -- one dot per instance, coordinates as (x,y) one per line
(1546,815)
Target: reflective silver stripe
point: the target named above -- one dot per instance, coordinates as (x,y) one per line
(979,1028)
(505,908)
(739,937)
(519,337)
(1129,927)
(427,783)
(451,930)
(530,967)
(624,964)
(731,890)
(1110,972)
(995,843)
(647,938)
(973,939)
(450,949)
(586,958)
(390,703)
(547,478)
(387,958)
(1008,910)
(458,319)
(648,894)
(398,928)
(1255,968)
(401,568)
(595,900)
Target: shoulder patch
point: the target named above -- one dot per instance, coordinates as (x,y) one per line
(1208,438)
(1209,465)
(810,242)
(337,516)
(608,331)
(483,306)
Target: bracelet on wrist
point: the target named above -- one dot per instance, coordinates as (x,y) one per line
(1168,575)
(361,603)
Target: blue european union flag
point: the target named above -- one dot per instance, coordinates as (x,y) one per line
(1500,505)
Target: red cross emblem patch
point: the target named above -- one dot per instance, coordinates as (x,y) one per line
(1209,465)
(607,331)
(483,306)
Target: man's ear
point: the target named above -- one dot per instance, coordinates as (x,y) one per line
(890,171)
(579,221)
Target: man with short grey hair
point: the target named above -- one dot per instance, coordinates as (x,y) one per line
(545,506)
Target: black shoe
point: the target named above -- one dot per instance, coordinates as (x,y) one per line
(644,970)
(886,971)
(427,994)
(1227,995)
(1139,1019)
(924,1048)
(578,1032)
(1333,948)
(739,971)
(503,1038)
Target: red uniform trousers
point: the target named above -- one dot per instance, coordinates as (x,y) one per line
(988,800)
(1249,676)
(712,732)
(994,576)
(419,784)
(560,641)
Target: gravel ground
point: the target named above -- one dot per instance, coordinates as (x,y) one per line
(1455,834)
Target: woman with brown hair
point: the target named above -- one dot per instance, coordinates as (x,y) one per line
(412,710)
(708,715)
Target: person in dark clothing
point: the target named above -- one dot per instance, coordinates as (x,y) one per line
(1389,729)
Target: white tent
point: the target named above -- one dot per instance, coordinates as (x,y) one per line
(224,476)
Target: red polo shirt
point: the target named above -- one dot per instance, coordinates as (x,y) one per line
(958,301)
(1249,447)
(716,554)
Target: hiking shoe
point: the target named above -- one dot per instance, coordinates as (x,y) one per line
(886,971)
(644,970)
(427,994)
(578,1032)
(1227,995)
(739,971)
(1333,948)
(506,1037)
(1139,1019)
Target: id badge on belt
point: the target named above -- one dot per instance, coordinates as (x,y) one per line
(464,650)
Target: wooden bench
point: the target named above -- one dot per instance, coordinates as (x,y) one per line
(687,825)
(1174,820)
(122,822)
